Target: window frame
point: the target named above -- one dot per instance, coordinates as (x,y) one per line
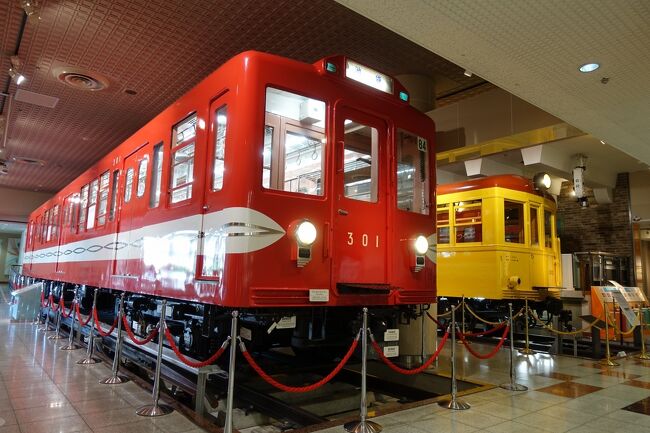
(425,189)
(522,222)
(215,136)
(107,189)
(155,180)
(174,147)
(471,204)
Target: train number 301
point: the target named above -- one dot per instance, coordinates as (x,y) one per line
(364,239)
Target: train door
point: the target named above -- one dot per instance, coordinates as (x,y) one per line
(360,202)
(128,245)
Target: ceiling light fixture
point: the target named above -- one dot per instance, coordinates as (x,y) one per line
(468,73)
(589,67)
(32,9)
(14,71)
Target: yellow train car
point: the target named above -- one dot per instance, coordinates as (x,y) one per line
(497,240)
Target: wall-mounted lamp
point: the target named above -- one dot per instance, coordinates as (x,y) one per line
(14,71)
(542,181)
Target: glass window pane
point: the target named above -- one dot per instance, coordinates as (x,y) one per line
(412,173)
(548,229)
(156,176)
(92,204)
(83,206)
(183,159)
(128,185)
(442,223)
(468,221)
(103,198)
(293,160)
(534,227)
(360,161)
(142,176)
(514,222)
(55,222)
(220,120)
(116,177)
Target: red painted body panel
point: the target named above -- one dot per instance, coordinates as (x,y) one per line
(166,246)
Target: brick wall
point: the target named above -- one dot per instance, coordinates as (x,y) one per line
(600,227)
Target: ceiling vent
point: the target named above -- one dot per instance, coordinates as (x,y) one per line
(81,79)
(28,161)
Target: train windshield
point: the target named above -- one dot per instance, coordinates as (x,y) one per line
(412,173)
(294,143)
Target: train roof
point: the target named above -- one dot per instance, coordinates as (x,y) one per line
(509,181)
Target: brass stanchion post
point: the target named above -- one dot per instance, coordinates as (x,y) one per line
(71,345)
(643,356)
(91,336)
(41,326)
(46,328)
(607,361)
(115,378)
(454,403)
(363,425)
(526,350)
(513,385)
(156,409)
(462,325)
(57,334)
(231,371)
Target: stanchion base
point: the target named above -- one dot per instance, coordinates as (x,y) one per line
(70,347)
(514,387)
(527,351)
(455,404)
(152,410)
(88,361)
(644,357)
(55,337)
(114,380)
(609,363)
(362,427)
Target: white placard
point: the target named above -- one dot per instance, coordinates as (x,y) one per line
(319,295)
(391,335)
(391,351)
(246,334)
(287,323)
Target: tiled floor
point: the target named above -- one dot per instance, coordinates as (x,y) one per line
(42,390)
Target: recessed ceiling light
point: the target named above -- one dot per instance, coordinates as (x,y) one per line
(589,67)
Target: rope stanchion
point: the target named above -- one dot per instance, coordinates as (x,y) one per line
(557,331)
(607,361)
(454,402)
(493,351)
(115,378)
(46,328)
(513,385)
(71,345)
(91,337)
(190,363)
(57,334)
(230,398)
(526,350)
(405,371)
(63,313)
(98,325)
(295,389)
(44,304)
(155,408)
(363,425)
(135,339)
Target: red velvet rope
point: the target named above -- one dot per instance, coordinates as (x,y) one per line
(99,327)
(307,388)
(132,336)
(81,320)
(440,325)
(492,352)
(417,370)
(188,362)
(54,307)
(63,313)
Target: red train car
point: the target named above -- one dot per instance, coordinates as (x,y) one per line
(271,186)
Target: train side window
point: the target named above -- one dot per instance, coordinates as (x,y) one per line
(534,226)
(442,223)
(92,204)
(116,177)
(74,211)
(513,214)
(156,176)
(47,231)
(548,229)
(103,198)
(360,152)
(220,121)
(142,176)
(128,185)
(468,224)
(412,173)
(83,204)
(54,217)
(183,142)
(294,143)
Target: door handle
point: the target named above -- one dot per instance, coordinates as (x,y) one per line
(343,212)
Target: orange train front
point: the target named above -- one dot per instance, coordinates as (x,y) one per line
(271,186)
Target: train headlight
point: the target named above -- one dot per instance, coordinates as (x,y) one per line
(306,233)
(421,245)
